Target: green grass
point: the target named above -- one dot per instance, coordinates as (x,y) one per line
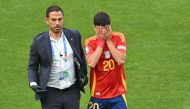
(158,59)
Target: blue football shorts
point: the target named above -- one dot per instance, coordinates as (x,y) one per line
(118,102)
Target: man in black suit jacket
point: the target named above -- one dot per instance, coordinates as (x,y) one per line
(57,67)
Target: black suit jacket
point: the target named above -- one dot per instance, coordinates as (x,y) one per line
(40,60)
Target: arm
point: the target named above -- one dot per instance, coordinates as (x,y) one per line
(94,55)
(93,59)
(119,56)
(84,66)
(33,64)
(83,56)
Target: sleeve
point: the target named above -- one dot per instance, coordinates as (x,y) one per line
(33,63)
(121,43)
(84,66)
(88,47)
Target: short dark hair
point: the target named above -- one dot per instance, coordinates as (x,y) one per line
(53,8)
(101,19)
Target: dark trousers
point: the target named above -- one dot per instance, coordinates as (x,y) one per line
(61,99)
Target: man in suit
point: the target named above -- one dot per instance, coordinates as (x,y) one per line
(57,68)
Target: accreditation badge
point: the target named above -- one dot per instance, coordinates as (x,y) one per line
(64,79)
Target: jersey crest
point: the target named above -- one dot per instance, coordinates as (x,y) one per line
(107,54)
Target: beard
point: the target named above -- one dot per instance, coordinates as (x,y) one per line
(57,29)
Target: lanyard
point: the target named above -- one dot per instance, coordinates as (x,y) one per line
(65,47)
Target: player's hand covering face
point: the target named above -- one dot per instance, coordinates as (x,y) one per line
(103,31)
(108,32)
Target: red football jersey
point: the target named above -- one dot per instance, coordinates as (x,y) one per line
(107,79)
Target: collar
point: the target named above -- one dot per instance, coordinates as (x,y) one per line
(52,39)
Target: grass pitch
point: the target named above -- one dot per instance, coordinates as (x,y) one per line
(158,59)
